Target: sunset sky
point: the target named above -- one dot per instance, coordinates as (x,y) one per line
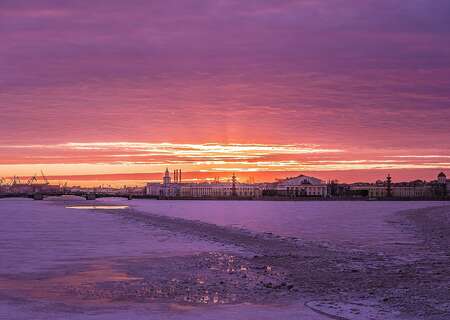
(345,89)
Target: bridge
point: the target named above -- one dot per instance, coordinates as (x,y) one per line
(86,195)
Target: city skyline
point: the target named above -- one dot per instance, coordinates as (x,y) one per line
(139,180)
(341,90)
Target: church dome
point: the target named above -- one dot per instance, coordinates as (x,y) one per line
(442,175)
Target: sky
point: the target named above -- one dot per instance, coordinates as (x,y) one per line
(343,89)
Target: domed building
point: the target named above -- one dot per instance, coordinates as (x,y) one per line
(302,186)
(442,178)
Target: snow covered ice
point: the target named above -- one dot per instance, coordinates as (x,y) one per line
(149,259)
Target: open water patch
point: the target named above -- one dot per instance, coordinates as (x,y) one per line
(93,207)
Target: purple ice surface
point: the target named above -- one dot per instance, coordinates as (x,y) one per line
(354,223)
(40,235)
(37,235)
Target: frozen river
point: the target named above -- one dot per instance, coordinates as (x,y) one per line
(72,248)
(37,235)
(352,223)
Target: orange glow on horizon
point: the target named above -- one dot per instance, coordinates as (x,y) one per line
(205,161)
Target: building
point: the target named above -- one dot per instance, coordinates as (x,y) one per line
(301,186)
(442,187)
(413,189)
(166,178)
(298,187)
(442,178)
(212,190)
(220,190)
(404,190)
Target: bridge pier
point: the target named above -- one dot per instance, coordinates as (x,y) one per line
(38,196)
(90,196)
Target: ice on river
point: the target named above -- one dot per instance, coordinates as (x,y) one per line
(354,223)
(39,237)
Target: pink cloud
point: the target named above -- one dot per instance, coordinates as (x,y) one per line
(370,78)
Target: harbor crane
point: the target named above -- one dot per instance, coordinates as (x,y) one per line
(31,180)
(15,180)
(44,177)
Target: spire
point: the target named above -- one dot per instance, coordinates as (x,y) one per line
(166,178)
(389,185)
(233,186)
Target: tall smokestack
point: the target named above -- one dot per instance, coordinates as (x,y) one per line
(179,175)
